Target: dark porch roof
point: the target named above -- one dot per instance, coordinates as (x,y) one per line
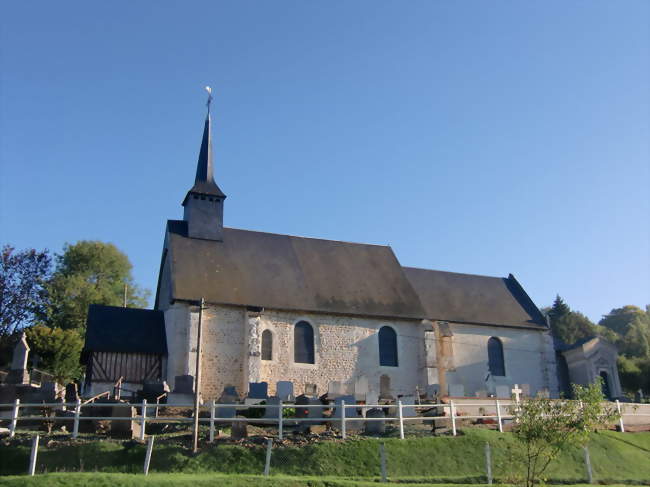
(116,329)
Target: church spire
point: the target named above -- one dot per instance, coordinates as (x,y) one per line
(204,182)
(204,201)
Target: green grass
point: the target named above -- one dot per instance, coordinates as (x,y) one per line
(197,480)
(616,458)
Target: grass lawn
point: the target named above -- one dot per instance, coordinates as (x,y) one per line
(616,458)
(198,480)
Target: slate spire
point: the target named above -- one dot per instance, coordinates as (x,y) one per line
(204,201)
(204,182)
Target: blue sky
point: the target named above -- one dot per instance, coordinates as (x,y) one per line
(478,137)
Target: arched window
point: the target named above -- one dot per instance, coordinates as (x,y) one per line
(267,345)
(303,343)
(387,346)
(495,357)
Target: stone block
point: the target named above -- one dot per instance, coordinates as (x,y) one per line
(258,390)
(239,429)
(284,390)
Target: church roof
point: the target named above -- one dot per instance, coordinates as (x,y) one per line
(469,298)
(117,329)
(295,273)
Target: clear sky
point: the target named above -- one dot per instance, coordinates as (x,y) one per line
(471,136)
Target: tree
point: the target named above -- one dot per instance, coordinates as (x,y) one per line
(620,319)
(90,272)
(569,326)
(546,427)
(636,342)
(22,288)
(58,351)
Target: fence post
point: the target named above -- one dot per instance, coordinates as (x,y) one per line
(147,458)
(382,462)
(212,416)
(143,420)
(267,462)
(77,413)
(14,418)
(590,475)
(32,458)
(401,420)
(343,430)
(488,463)
(452,412)
(280,420)
(620,416)
(499,417)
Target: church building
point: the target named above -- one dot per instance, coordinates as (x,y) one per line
(324,313)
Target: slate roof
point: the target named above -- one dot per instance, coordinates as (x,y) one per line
(293,273)
(116,329)
(468,298)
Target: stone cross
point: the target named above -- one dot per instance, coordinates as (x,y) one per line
(516,392)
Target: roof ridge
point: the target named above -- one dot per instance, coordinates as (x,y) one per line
(307,238)
(452,272)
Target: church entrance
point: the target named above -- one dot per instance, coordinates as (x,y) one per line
(605,385)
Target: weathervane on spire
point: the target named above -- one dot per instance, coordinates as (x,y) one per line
(209,102)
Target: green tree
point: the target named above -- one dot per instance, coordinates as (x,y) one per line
(90,272)
(620,319)
(58,350)
(636,342)
(569,326)
(546,427)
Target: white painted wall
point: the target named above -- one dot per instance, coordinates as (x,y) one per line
(528,354)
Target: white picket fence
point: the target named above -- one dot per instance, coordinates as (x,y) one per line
(453,412)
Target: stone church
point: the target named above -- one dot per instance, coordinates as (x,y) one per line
(319,313)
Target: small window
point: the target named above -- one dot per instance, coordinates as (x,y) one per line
(387,347)
(267,345)
(496,363)
(303,343)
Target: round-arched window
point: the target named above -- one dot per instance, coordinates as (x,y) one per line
(303,343)
(496,363)
(267,345)
(387,347)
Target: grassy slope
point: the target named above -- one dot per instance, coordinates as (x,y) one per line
(193,480)
(615,457)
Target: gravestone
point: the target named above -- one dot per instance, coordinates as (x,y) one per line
(361,388)
(503,392)
(239,429)
(385,391)
(123,428)
(456,390)
(525,390)
(638,396)
(228,396)
(408,411)
(272,409)
(183,393)
(372,398)
(375,427)
(18,373)
(284,390)
(313,412)
(311,390)
(350,413)
(258,390)
(481,393)
(432,391)
(184,384)
(334,389)
(544,393)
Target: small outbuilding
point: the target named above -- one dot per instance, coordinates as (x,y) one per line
(123,343)
(586,360)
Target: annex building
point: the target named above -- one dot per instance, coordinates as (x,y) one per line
(326,315)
